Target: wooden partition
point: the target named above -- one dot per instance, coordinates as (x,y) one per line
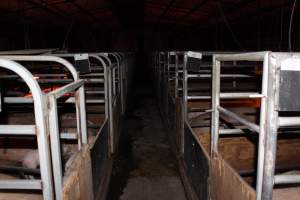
(226,184)
(78,181)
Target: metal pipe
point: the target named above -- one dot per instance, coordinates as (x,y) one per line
(287,179)
(222,76)
(250,125)
(253,56)
(288,121)
(55,146)
(40,106)
(66,89)
(176,75)
(43,58)
(230,131)
(269,139)
(106,88)
(22,185)
(17,129)
(185,86)
(215,104)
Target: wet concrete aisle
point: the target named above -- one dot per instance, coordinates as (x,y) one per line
(145,168)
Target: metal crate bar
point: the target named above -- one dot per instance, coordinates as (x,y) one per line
(17,129)
(289,121)
(287,179)
(41,134)
(21,184)
(250,125)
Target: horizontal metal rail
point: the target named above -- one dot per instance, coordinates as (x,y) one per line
(99,80)
(88,101)
(35,75)
(239,95)
(287,179)
(230,131)
(18,129)
(288,121)
(21,184)
(222,76)
(44,58)
(27,51)
(256,56)
(29,100)
(26,130)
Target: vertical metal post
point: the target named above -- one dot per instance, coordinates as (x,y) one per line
(78,120)
(122,68)
(271,132)
(215,104)
(82,114)
(262,127)
(106,91)
(114,80)
(111,113)
(41,115)
(81,117)
(185,87)
(167,75)
(159,76)
(55,147)
(176,75)
(42,134)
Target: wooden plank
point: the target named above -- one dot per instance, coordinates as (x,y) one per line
(226,184)
(78,180)
(240,151)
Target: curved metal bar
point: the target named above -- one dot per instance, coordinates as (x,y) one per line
(119,70)
(106,101)
(116,57)
(106,57)
(43,58)
(40,106)
(120,77)
(76,77)
(110,100)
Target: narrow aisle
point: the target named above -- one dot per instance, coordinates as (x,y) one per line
(151,167)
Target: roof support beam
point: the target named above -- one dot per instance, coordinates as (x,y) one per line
(87,13)
(192,10)
(45,7)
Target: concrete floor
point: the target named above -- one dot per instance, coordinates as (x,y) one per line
(153,173)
